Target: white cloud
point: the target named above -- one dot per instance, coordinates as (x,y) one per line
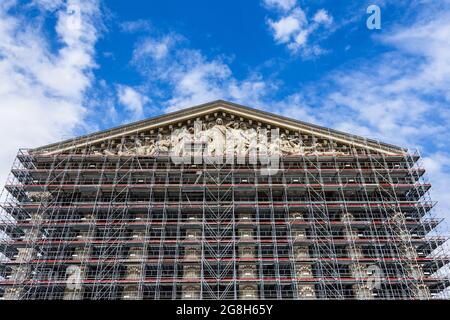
(42,91)
(438,169)
(190,77)
(394,95)
(132,100)
(434,74)
(155,48)
(300,40)
(48,5)
(136,25)
(281,4)
(322,16)
(288,26)
(198,80)
(294,30)
(436,163)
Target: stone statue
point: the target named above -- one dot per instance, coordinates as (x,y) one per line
(289,145)
(139,148)
(232,136)
(121,149)
(274,146)
(252,136)
(181,140)
(311,149)
(108,152)
(95,151)
(175,142)
(218,135)
(243,141)
(163,144)
(209,139)
(150,146)
(262,144)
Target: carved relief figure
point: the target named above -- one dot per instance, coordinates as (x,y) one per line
(108,152)
(289,145)
(139,148)
(163,144)
(209,139)
(181,140)
(150,146)
(121,148)
(252,137)
(232,137)
(243,141)
(312,149)
(274,146)
(219,137)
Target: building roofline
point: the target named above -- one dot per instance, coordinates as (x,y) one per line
(172,116)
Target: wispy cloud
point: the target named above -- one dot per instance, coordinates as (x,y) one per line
(42,90)
(132,100)
(156,49)
(189,77)
(289,26)
(284,5)
(293,29)
(136,25)
(322,17)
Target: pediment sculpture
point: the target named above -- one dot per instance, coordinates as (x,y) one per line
(215,137)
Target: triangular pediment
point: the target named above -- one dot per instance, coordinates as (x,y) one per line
(218,120)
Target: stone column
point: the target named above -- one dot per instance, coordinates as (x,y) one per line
(246,252)
(192,255)
(74,282)
(306,291)
(245,217)
(190,292)
(247,271)
(362,291)
(303,267)
(75,274)
(246,234)
(134,270)
(422,292)
(19,273)
(192,234)
(131,292)
(248,291)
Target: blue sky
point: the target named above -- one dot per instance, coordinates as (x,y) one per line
(73,67)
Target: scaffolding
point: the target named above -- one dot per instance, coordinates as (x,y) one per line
(336,222)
